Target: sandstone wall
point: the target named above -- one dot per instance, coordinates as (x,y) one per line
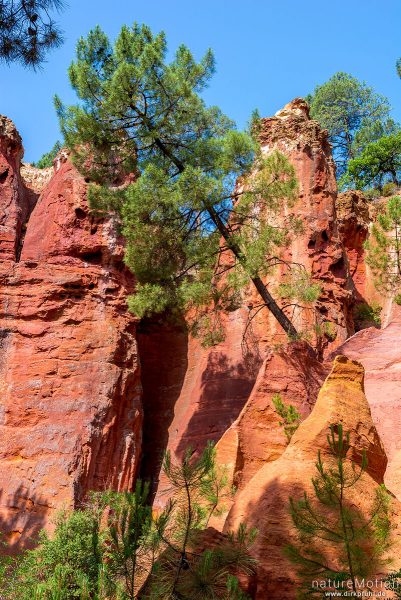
(70,401)
(73,361)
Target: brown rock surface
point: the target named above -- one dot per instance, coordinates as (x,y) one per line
(256,436)
(71,413)
(263,502)
(377,349)
(69,374)
(16,203)
(34,178)
(191,394)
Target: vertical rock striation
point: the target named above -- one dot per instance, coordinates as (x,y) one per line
(71,414)
(16,203)
(318,247)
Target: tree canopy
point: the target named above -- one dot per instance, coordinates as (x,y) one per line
(345,106)
(140,114)
(374,132)
(378,163)
(46,160)
(28,31)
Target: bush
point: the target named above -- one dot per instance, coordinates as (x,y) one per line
(61,567)
(289,414)
(389,189)
(372,193)
(367,315)
(383,248)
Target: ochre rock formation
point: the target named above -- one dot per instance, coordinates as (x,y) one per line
(16,201)
(215,384)
(71,416)
(191,394)
(353,224)
(264,501)
(71,378)
(379,352)
(376,348)
(319,247)
(257,437)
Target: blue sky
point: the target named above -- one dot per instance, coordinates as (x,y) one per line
(267,52)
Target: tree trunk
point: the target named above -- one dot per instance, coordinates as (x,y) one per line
(272,305)
(264,293)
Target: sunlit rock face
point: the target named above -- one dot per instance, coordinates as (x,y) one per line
(71,415)
(376,347)
(15,202)
(264,500)
(379,352)
(212,386)
(76,367)
(319,248)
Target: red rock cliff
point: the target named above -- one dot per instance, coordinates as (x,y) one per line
(69,367)
(71,415)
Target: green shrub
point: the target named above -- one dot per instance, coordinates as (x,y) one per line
(367,315)
(372,193)
(289,414)
(61,567)
(389,189)
(383,248)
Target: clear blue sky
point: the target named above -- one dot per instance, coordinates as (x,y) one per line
(267,51)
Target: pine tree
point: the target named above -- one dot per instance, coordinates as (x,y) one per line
(393,583)
(289,414)
(138,113)
(337,544)
(373,132)
(132,541)
(46,160)
(27,31)
(383,249)
(378,163)
(198,489)
(343,105)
